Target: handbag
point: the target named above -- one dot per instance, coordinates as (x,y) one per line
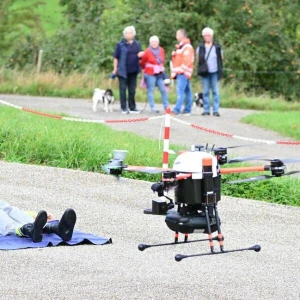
(203,68)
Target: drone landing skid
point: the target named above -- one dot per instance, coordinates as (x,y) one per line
(142,247)
(180,257)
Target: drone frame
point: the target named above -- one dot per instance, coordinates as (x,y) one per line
(276,167)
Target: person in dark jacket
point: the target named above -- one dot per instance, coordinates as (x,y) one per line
(126,67)
(211,52)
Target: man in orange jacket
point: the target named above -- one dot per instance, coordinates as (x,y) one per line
(182,70)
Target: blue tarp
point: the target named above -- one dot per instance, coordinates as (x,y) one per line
(79,238)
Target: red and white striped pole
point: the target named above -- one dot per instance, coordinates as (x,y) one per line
(167,138)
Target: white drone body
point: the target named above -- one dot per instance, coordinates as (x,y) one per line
(192,162)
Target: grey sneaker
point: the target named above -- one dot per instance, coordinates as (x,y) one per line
(124,112)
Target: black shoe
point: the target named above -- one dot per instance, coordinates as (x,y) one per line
(216,114)
(134,111)
(205,114)
(64,229)
(35,230)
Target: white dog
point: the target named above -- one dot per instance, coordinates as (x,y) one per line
(104,96)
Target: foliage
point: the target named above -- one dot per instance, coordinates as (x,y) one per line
(28,138)
(285,123)
(12,20)
(24,25)
(260,38)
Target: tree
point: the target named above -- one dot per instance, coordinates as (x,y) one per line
(12,22)
(260,38)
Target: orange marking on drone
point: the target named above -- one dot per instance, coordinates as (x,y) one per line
(243,170)
(183,176)
(207,161)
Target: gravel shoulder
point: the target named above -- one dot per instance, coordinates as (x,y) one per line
(119,271)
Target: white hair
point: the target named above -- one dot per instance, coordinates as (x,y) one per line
(154,38)
(129,28)
(207,31)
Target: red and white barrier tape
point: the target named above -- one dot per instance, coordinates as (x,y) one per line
(167,123)
(220,133)
(77,119)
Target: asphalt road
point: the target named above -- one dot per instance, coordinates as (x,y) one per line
(114,209)
(119,270)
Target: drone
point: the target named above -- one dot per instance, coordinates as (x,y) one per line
(196,181)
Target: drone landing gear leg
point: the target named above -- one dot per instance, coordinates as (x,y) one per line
(220,235)
(186,237)
(210,238)
(176,237)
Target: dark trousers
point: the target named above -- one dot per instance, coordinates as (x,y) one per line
(130,83)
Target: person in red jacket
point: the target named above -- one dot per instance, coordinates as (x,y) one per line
(152,64)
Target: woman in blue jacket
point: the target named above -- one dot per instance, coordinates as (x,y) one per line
(126,67)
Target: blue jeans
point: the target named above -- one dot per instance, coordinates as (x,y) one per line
(184,89)
(152,81)
(211,81)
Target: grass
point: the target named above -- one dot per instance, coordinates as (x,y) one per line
(285,123)
(32,139)
(76,85)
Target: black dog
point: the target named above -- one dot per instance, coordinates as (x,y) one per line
(198,100)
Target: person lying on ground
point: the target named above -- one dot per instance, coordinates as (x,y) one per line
(14,221)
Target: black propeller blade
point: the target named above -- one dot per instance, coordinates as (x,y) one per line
(239,146)
(261,177)
(284,160)
(251,179)
(246,158)
(221,147)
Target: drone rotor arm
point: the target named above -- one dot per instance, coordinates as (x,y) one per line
(244,169)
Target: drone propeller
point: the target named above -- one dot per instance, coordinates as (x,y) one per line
(245,158)
(233,147)
(285,160)
(261,177)
(209,149)
(149,170)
